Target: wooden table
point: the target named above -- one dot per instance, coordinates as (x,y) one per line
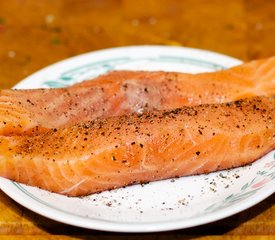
(34,34)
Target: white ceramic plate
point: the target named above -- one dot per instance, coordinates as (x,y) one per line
(159,206)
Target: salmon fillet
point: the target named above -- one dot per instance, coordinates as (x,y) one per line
(124,92)
(118,151)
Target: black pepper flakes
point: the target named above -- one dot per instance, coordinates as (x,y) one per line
(29,101)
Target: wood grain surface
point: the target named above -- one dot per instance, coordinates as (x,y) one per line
(34,34)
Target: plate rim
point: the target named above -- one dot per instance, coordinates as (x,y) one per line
(102,51)
(148,227)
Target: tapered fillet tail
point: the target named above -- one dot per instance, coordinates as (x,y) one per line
(118,151)
(259,72)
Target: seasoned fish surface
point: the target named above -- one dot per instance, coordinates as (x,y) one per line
(118,151)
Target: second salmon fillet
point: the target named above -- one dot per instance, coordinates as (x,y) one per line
(124,92)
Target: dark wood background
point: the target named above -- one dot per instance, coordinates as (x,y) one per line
(34,34)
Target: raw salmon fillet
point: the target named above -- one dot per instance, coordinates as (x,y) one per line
(122,150)
(124,92)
